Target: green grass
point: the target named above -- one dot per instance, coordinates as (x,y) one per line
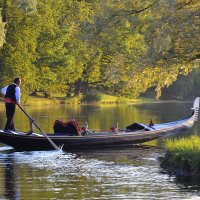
(183,154)
(191,144)
(35,101)
(103,98)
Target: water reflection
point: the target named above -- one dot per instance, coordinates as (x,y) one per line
(101,174)
(100,116)
(11,188)
(128,173)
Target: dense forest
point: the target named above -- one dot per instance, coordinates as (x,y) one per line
(120,47)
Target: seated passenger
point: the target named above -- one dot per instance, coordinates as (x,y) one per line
(114,128)
(71,128)
(85,130)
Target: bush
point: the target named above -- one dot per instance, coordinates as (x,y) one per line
(91,97)
(121,100)
(73,100)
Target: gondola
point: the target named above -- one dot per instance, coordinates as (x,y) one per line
(133,134)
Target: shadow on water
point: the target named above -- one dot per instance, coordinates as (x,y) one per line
(128,154)
(183,180)
(188,182)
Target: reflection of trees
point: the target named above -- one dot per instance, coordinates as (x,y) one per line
(103,116)
(98,116)
(2,117)
(11,187)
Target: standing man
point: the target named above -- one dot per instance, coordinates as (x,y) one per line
(12,97)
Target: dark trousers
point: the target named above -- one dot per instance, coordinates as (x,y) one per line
(10,111)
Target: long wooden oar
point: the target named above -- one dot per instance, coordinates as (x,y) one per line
(33,121)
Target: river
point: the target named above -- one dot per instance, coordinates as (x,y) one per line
(118,173)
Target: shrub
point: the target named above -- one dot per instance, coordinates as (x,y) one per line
(91,97)
(183,154)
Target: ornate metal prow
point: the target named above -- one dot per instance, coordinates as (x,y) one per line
(196,108)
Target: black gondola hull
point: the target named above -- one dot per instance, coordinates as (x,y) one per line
(23,142)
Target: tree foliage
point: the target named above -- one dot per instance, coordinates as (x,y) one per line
(122,47)
(2,32)
(18,53)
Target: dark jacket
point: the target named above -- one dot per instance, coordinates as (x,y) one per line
(10,93)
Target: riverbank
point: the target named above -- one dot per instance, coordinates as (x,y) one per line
(182,156)
(92,98)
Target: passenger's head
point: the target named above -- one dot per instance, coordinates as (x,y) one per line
(17,81)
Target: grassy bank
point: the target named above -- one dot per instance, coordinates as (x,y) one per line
(94,97)
(31,101)
(183,156)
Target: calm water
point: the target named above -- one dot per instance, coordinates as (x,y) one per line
(128,173)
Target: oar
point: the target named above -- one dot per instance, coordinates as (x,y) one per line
(33,121)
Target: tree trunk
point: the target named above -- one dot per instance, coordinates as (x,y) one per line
(34,93)
(69,91)
(77,90)
(46,95)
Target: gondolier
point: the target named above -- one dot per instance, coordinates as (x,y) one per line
(12,96)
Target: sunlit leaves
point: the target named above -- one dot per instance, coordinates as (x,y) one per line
(124,46)
(2,32)
(19,50)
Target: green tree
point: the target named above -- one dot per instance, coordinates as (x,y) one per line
(172,38)
(122,47)
(186,87)
(59,47)
(164,44)
(18,53)
(118,33)
(2,32)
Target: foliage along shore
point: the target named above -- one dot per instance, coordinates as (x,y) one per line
(93,97)
(182,156)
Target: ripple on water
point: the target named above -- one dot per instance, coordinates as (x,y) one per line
(114,175)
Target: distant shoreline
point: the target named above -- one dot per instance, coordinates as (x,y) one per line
(104,100)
